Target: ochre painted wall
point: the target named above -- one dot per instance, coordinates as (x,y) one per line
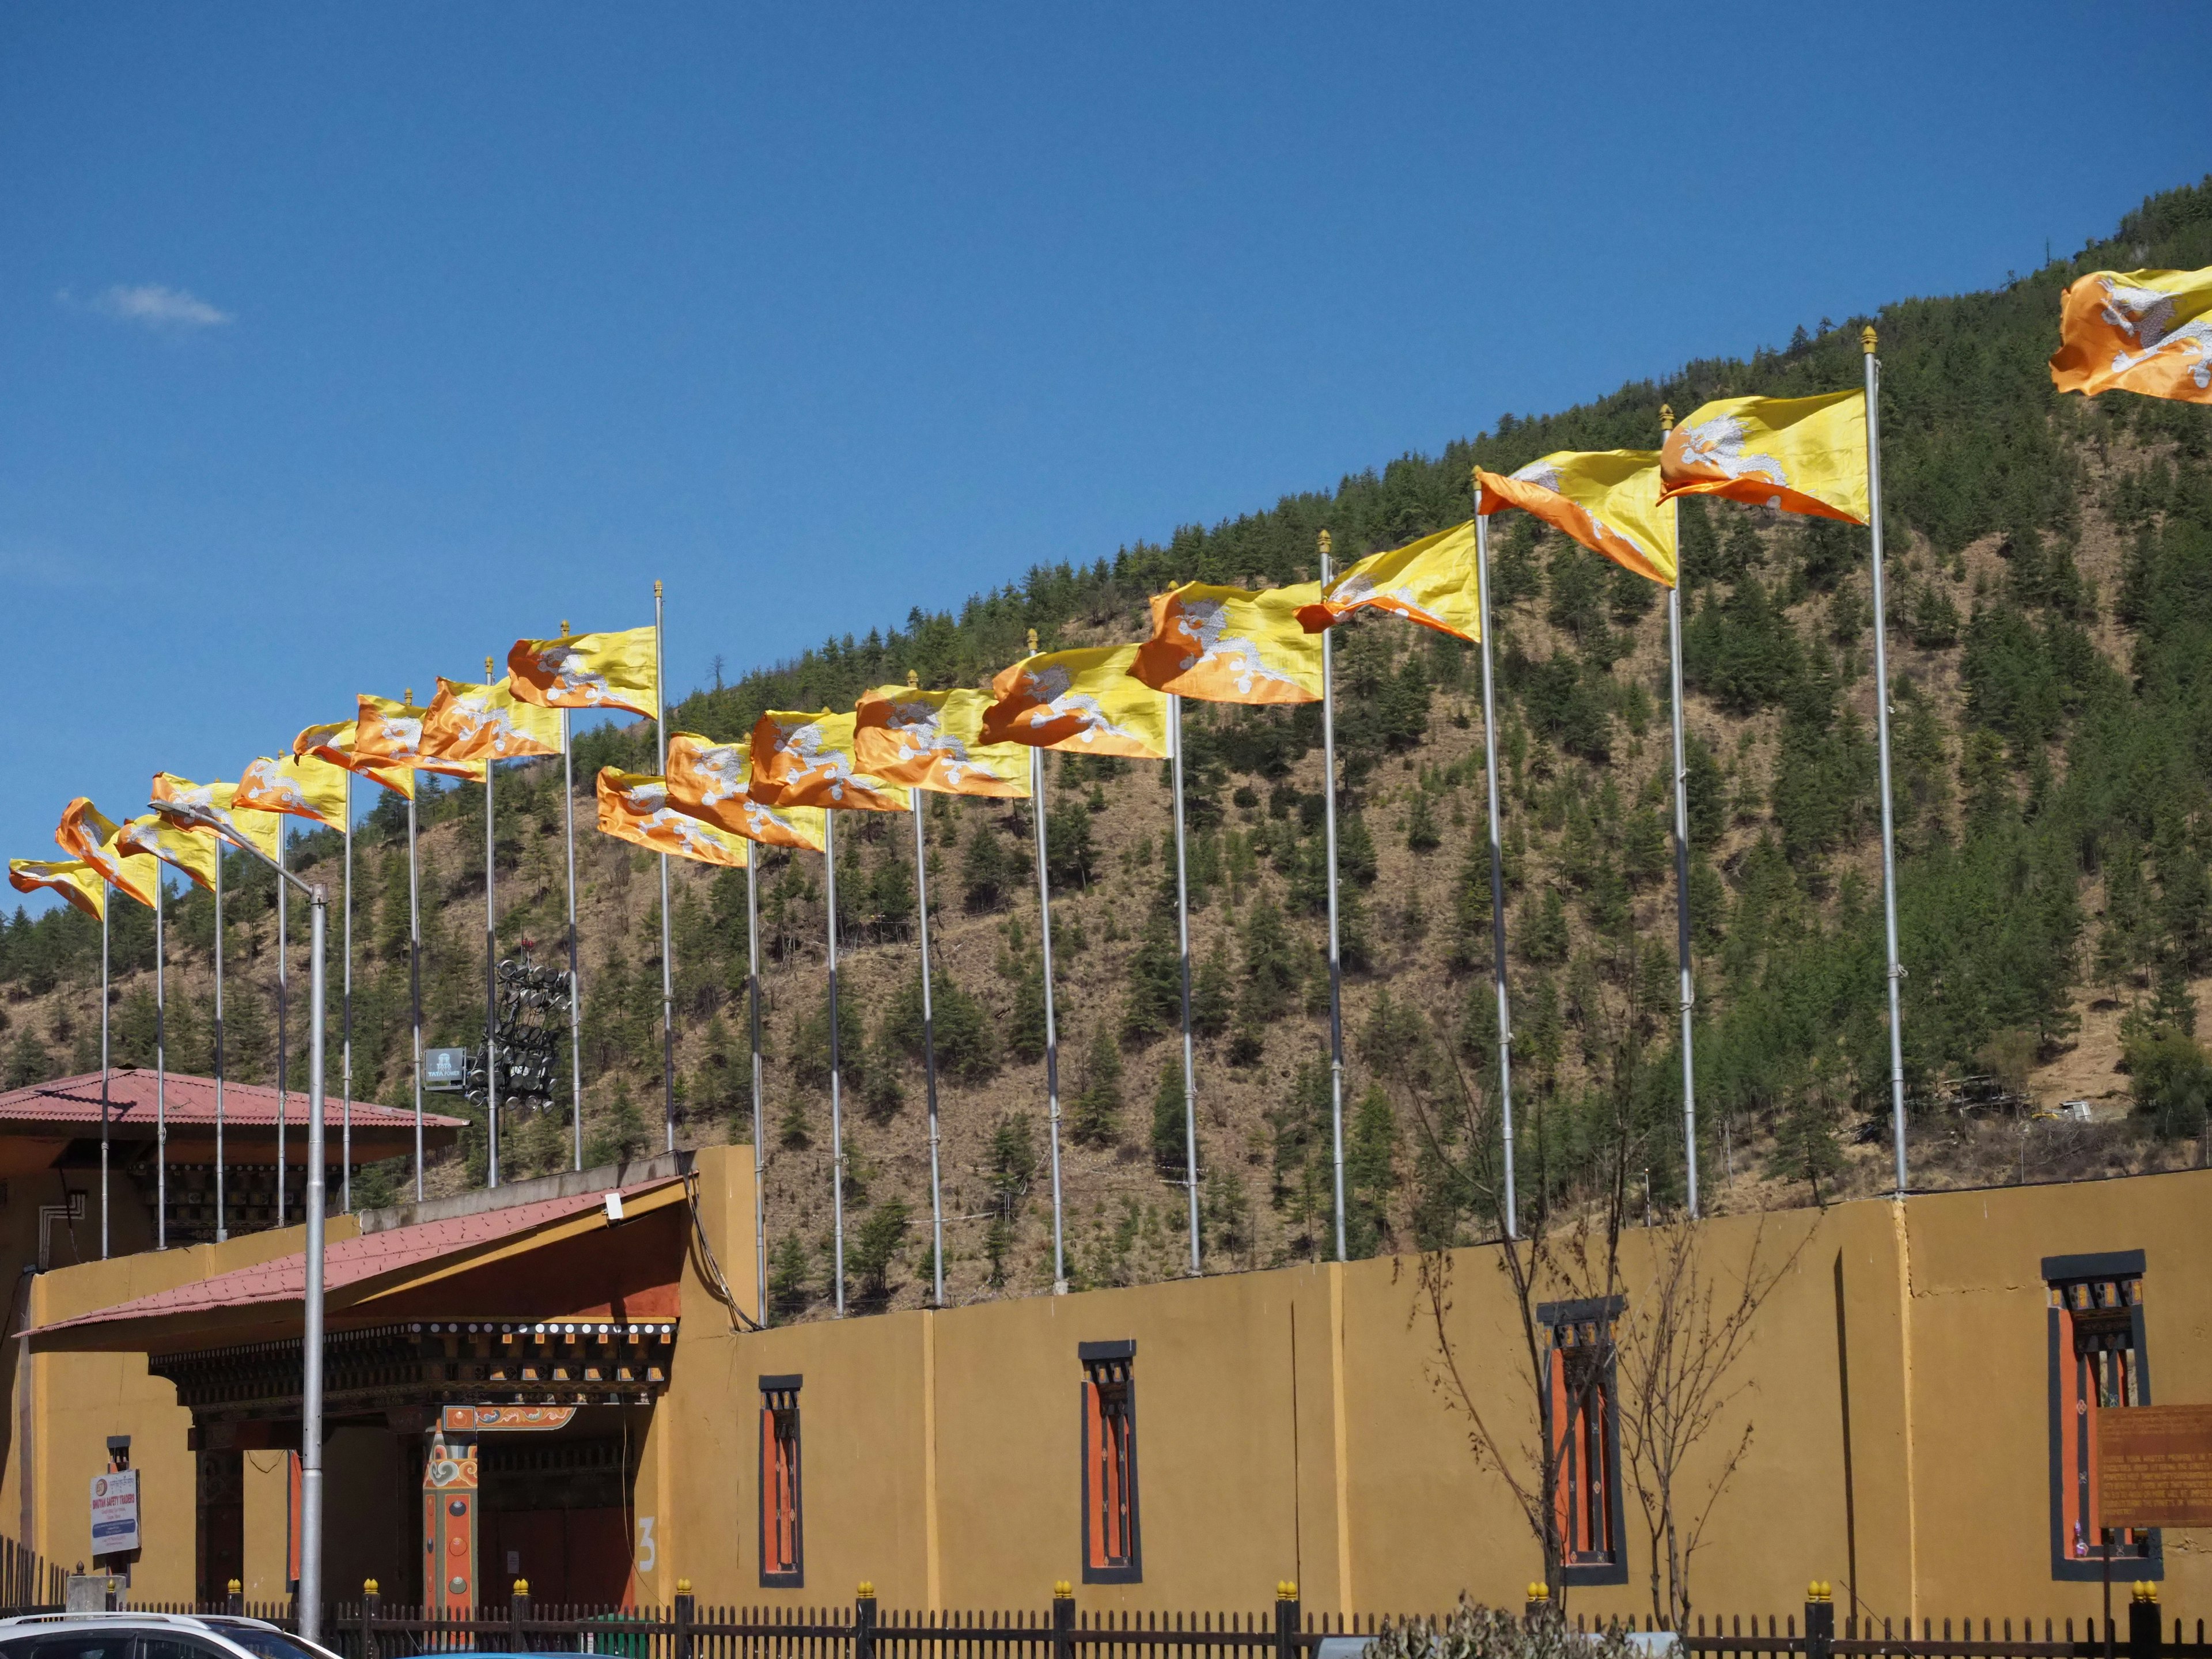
(1300,1423)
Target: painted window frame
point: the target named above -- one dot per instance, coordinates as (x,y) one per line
(2076,1284)
(1573,1330)
(1109,1396)
(781,1430)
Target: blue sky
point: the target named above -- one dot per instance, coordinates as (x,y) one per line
(342,345)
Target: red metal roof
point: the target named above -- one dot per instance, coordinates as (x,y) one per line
(71,1101)
(349,1261)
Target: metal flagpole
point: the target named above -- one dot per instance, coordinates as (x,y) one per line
(1051,1026)
(1496,872)
(1335,955)
(1687,988)
(160,1076)
(929,1057)
(760,1151)
(667,950)
(1183,932)
(221,1229)
(345,1014)
(284,1080)
(491,982)
(576,983)
(415,975)
(107,904)
(837,1078)
(310,1603)
(1881,726)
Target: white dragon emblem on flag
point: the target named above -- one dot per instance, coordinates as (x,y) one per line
(727,769)
(1718,444)
(1056,700)
(816,759)
(264,778)
(1206,621)
(475,714)
(919,728)
(2147,315)
(1362,589)
(562,665)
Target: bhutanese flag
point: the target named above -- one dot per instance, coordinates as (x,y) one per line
(634,807)
(487,722)
(153,836)
(258,828)
(934,740)
(2138,331)
(588,671)
(1085,700)
(304,786)
(86,834)
(334,743)
(1232,645)
(1431,582)
(74,879)
(1800,455)
(1606,499)
(712,782)
(390,734)
(806,760)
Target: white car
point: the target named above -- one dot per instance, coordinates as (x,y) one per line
(127,1635)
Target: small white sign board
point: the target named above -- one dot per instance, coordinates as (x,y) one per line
(115,1513)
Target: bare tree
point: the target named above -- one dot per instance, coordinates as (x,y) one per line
(1686,1333)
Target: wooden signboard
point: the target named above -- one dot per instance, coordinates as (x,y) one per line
(2154,1465)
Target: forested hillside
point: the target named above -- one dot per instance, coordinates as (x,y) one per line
(2051,626)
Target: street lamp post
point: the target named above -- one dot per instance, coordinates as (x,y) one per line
(310,1600)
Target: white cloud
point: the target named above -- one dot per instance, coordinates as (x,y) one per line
(153,306)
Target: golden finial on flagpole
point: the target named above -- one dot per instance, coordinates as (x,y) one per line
(410,703)
(1666,417)
(1324,542)
(656,588)
(1866,339)
(913,680)
(1033,646)
(564,628)
(487,671)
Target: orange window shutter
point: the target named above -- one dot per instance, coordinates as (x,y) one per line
(771,1480)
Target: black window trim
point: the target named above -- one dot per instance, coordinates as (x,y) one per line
(1556,1317)
(787,1384)
(1089,1354)
(2058,1273)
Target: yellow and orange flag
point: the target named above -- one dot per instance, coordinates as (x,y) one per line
(1431,582)
(712,782)
(220,798)
(1084,701)
(589,670)
(1606,499)
(487,722)
(1232,645)
(389,734)
(806,760)
(634,807)
(934,740)
(2138,331)
(334,743)
(1804,455)
(304,786)
(86,834)
(73,879)
(181,849)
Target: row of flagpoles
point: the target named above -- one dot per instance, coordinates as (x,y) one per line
(785,784)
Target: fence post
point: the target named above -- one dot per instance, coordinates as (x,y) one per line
(1286,1620)
(864,1621)
(2144,1632)
(518,1609)
(371,1604)
(1063,1620)
(1820,1619)
(235,1601)
(1539,1603)
(685,1609)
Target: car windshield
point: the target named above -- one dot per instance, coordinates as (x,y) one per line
(268,1643)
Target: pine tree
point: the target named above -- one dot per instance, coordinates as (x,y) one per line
(1096,1118)
(1153,1003)
(1169,1141)
(1213,992)
(1370,1173)
(789,1288)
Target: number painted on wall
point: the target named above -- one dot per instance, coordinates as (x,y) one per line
(647,1553)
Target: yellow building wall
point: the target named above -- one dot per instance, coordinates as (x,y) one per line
(1300,1424)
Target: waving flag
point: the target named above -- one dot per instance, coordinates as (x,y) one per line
(1232,645)
(806,760)
(1431,581)
(712,782)
(487,722)
(258,828)
(181,849)
(1606,499)
(334,743)
(588,671)
(85,833)
(1084,701)
(1804,455)
(389,734)
(2138,331)
(74,879)
(306,787)
(634,807)
(934,740)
